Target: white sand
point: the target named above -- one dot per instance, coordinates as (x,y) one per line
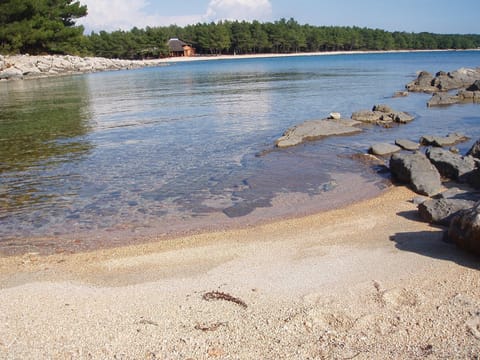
(364,282)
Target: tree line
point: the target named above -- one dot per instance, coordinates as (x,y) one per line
(48,26)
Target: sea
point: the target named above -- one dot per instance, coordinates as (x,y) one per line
(117,158)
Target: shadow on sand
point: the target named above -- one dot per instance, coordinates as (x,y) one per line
(434,244)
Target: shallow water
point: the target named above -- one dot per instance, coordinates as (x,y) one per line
(99,159)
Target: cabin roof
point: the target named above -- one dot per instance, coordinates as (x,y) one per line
(176,45)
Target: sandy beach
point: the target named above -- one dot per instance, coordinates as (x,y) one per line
(368,281)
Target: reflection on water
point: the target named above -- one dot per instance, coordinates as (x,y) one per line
(42,125)
(173,148)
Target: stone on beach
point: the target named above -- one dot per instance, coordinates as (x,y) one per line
(316,129)
(441,211)
(465,229)
(417,171)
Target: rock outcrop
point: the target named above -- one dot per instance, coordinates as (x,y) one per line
(444,81)
(416,170)
(317,129)
(25,66)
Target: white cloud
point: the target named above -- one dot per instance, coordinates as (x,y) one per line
(239,10)
(113,15)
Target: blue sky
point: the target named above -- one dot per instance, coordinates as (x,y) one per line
(439,16)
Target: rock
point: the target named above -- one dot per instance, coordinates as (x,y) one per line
(11,73)
(316,129)
(464,229)
(383,149)
(402,117)
(382,115)
(407,144)
(441,141)
(475,150)
(335,116)
(441,211)
(473,178)
(417,171)
(398,94)
(443,99)
(423,83)
(382,108)
(367,116)
(443,81)
(450,165)
(475,86)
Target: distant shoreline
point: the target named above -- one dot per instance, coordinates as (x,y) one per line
(20,67)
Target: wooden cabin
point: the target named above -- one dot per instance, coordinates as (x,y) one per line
(179,48)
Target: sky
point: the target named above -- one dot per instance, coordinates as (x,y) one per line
(437,16)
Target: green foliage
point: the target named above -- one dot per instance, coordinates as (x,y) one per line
(41,26)
(48,26)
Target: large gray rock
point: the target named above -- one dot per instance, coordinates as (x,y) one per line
(440,211)
(316,129)
(441,141)
(465,229)
(11,73)
(417,171)
(450,165)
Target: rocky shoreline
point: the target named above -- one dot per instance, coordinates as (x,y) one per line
(448,182)
(18,67)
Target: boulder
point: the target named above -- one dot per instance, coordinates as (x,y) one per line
(473,178)
(316,129)
(441,211)
(417,171)
(450,165)
(441,141)
(407,144)
(464,229)
(444,81)
(367,116)
(382,149)
(402,117)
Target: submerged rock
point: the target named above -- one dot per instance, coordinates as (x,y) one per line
(316,129)
(417,171)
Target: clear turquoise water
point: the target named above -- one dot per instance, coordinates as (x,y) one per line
(99,159)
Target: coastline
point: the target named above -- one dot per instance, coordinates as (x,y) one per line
(20,67)
(367,280)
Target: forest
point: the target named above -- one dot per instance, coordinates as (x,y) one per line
(49,27)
